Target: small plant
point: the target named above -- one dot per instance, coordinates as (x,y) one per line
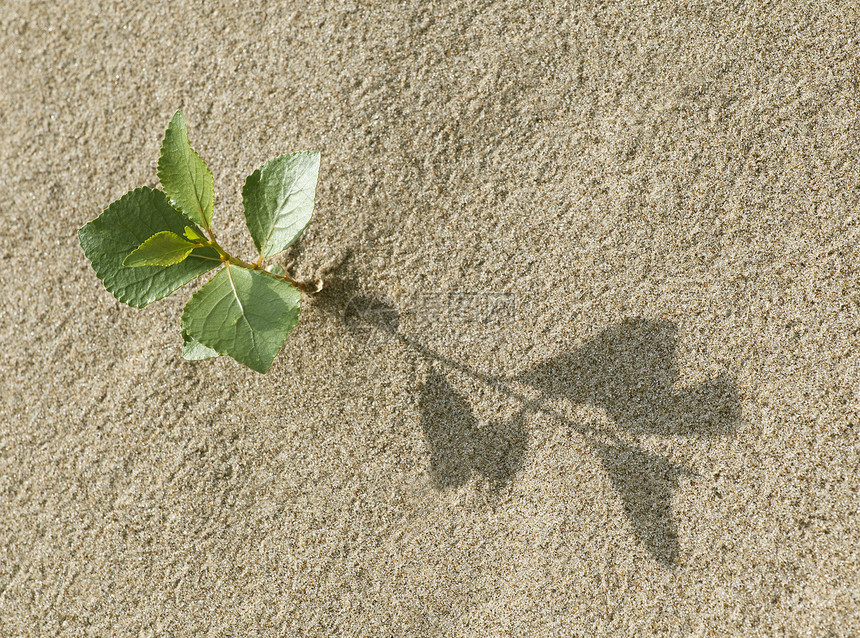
(149,243)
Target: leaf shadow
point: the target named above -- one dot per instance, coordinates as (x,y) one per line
(459,446)
(629,370)
(645,482)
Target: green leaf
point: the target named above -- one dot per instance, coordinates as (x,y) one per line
(193,350)
(275,269)
(125,225)
(185,177)
(279,200)
(246,314)
(162,249)
(193,235)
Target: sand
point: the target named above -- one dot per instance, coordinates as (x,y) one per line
(586,362)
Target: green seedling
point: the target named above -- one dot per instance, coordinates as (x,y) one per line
(150,242)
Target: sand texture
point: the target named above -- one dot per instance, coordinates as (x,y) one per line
(586,359)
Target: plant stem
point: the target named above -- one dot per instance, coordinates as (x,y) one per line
(238,262)
(298,284)
(227,258)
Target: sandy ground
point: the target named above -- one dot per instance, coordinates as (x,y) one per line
(587,359)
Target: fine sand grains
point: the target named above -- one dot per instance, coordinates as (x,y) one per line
(586,359)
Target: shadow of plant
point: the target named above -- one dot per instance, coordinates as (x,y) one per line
(629,370)
(645,482)
(458,446)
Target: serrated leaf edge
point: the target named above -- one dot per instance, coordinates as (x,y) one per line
(159,172)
